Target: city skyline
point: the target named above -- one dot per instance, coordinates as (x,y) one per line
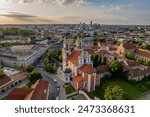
(74,11)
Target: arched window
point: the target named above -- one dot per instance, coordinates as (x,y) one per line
(85,85)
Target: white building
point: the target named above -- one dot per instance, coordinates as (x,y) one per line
(23,55)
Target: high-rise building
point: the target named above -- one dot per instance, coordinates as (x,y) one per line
(91,24)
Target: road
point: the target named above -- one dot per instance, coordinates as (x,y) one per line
(53,86)
(2,95)
(62,93)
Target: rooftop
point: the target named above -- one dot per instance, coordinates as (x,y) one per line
(89,69)
(10,71)
(73,57)
(37,92)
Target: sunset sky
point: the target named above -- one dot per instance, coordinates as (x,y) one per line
(75,11)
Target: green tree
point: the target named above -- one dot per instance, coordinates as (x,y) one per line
(29,68)
(34,76)
(1,72)
(104,61)
(129,55)
(115,93)
(116,69)
(96,60)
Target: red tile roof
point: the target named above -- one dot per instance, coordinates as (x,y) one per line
(143,53)
(131,63)
(37,92)
(4,80)
(73,57)
(101,52)
(102,69)
(88,69)
(19,93)
(128,46)
(136,73)
(78,79)
(19,76)
(40,90)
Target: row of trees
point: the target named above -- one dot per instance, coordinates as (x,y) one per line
(140,44)
(34,75)
(52,59)
(11,43)
(130,55)
(15,32)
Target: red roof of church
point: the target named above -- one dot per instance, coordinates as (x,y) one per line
(77,79)
(73,57)
(88,69)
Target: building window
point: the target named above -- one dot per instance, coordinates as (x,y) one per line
(84,61)
(85,85)
(66,79)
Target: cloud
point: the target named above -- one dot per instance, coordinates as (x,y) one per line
(26,17)
(70,2)
(28,1)
(58,2)
(115,8)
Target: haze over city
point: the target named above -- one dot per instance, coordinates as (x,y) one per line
(74,11)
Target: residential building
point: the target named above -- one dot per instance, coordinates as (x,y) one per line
(11,78)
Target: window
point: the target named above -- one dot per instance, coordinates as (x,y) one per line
(85,84)
(66,79)
(84,60)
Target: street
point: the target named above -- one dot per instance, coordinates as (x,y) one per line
(53,86)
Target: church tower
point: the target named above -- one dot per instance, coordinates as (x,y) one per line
(79,45)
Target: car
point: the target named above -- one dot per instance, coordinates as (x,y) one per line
(58,89)
(57,98)
(55,80)
(58,86)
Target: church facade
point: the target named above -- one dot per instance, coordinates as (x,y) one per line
(78,67)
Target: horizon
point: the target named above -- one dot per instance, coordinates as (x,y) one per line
(105,12)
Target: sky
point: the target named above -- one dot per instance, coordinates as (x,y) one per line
(122,12)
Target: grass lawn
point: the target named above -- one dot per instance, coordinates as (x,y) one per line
(70,89)
(132,90)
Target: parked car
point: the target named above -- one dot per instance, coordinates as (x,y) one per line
(58,86)
(58,89)
(57,98)
(55,80)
